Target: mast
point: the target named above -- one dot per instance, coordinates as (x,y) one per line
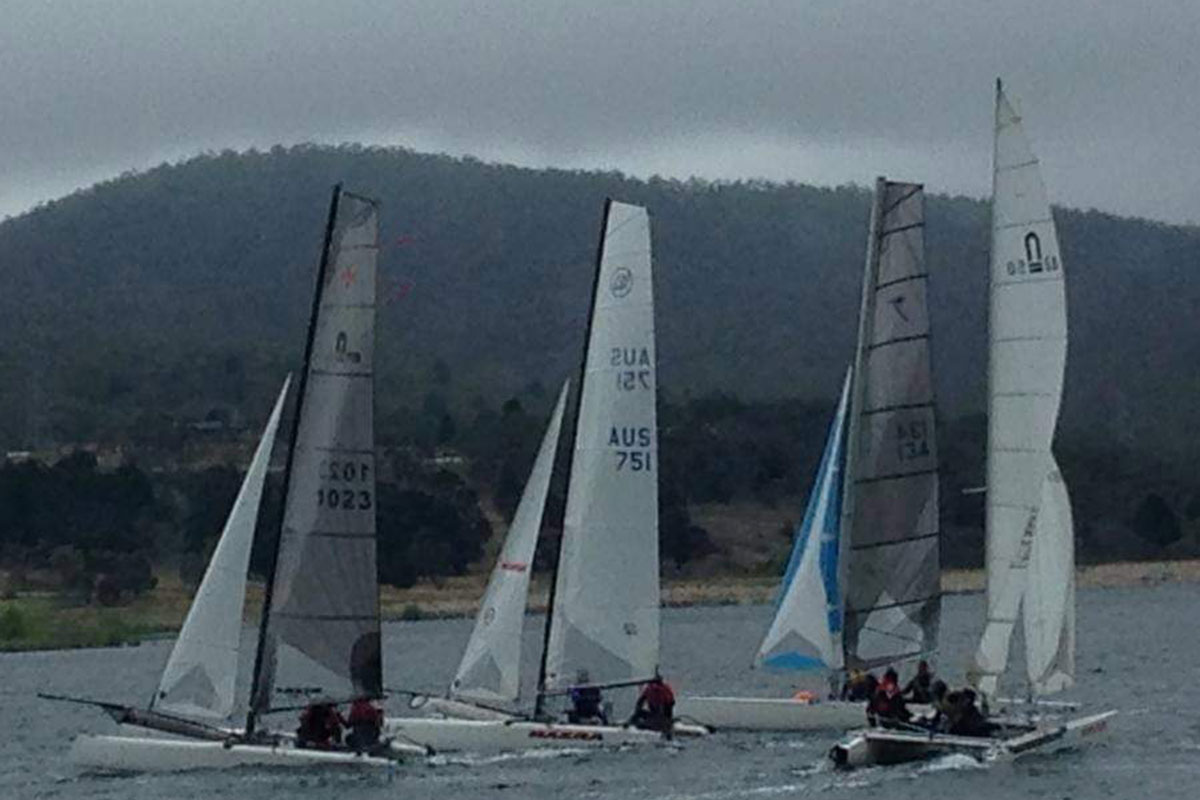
(850,468)
(539,703)
(260,650)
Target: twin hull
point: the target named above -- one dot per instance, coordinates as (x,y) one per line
(482,736)
(107,753)
(879,747)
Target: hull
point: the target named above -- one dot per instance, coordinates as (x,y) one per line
(458,709)
(486,736)
(770,714)
(881,747)
(146,754)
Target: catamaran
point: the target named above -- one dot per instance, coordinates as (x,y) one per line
(862,586)
(1030,539)
(603,615)
(320,621)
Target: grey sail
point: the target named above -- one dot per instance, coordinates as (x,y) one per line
(890,510)
(321,624)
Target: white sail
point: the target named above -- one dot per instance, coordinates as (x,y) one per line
(890,509)
(807,628)
(490,667)
(201,671)
(606,614)
(321,627)
(1027,359)
(1049,604)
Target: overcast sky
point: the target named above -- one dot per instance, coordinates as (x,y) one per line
(817,91)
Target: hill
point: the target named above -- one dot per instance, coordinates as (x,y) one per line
(166,296)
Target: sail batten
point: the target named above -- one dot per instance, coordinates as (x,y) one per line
(605,616)
(201,673)
(321,620)
(1030,550)
(890,525)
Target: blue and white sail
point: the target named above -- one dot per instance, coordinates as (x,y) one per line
(806,632)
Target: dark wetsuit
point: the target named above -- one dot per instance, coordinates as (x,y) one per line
(586,705)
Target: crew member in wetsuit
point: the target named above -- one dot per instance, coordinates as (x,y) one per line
(967,719)
(888,707)
(587,703)
(365,722)
(655,709)
(920,688)
(320,726)
(859,686)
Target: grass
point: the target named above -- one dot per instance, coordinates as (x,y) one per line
(42,621)
(51,623)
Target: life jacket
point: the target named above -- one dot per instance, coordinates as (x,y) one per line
(659,697)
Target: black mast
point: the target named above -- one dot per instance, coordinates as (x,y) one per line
(255,690)
(539,704)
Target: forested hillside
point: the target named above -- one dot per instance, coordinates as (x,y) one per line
(159,298)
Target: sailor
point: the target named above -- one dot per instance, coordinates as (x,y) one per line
(320,726)
(586,702)
(365,722)
(966,719)
(920,688)
(859,686)
(887,707)
(655,709)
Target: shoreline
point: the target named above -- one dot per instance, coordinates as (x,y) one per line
(40,622)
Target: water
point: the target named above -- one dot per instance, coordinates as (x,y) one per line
(1138,651)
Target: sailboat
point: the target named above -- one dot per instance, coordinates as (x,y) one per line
(1030,539)
(862,587)
(603,614)
(487,683)
(320,621)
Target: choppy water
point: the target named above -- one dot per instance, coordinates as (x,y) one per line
(1138,652)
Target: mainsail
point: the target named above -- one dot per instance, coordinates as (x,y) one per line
(806,631)
(490,667)
(1028,511)
(201,671)
(321,620)
(890,507)
(606,593)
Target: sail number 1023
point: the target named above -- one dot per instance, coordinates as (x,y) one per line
(345,485)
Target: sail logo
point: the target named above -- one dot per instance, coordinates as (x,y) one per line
(621,283)
(1034,262)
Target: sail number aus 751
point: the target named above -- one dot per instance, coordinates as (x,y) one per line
(634,368)
(632,448)
(345,485)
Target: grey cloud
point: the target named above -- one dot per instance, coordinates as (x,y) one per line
(827,91)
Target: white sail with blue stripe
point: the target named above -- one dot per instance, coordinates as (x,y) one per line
(806,633)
